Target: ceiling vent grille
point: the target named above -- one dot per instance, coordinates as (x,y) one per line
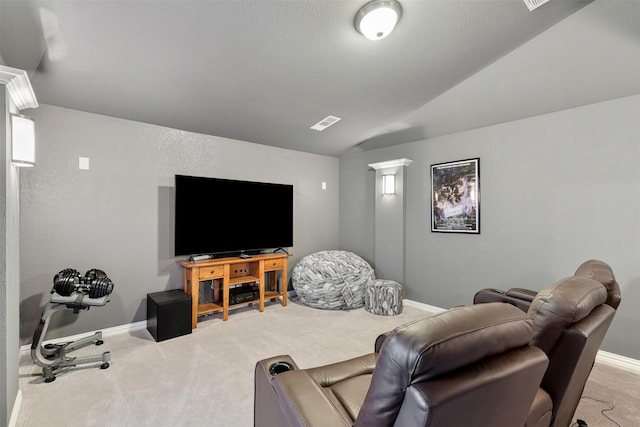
(325,123)
(533,4)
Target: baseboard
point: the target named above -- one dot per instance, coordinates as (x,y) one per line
(617,361)
(604,357)
(423,306)
(15,410)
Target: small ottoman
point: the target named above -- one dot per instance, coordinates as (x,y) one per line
(383,297)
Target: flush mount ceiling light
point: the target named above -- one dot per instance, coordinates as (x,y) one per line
(378,18)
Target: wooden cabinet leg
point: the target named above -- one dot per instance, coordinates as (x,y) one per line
(284,285)
(225,294)
(194,292)
(261,282)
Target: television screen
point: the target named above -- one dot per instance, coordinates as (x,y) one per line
(216,216)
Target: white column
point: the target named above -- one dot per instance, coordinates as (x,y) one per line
(389,240)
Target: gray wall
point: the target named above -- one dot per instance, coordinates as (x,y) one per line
(118,216)
(9,265)
(556,190)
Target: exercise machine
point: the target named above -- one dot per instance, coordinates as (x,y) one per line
(71,291)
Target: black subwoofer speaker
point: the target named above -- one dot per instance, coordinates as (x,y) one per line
(168,314)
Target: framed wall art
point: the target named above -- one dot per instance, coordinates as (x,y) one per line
(455,197)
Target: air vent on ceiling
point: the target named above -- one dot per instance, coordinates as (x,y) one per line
(325,123)
(532,4)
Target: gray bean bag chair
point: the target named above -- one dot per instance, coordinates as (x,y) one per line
(333,280)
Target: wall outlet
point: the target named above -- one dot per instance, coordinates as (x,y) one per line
(83,163)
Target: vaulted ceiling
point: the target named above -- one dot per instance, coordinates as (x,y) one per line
(265,71)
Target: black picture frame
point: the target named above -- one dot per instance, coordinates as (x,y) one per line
(455,196)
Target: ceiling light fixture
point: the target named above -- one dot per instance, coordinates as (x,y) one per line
(376,19)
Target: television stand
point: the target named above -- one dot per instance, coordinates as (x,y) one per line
(233,271)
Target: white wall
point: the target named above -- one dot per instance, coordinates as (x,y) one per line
(556,190)
(118,216)
(9,264)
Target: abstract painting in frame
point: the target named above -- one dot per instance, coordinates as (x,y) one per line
(455,197)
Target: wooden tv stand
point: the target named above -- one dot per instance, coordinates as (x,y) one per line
(233,271)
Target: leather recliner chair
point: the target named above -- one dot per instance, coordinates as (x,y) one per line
(571,318)
(471,365)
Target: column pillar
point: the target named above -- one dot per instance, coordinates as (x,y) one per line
(390,207)
(15,94)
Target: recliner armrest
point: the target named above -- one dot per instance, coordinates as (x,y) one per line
(303,402)
(521,293)
(265,411)
(512,296)
(305,397)
(380,340)
(328,375)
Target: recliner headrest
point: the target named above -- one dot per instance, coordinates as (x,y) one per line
(458,337)
(559,305)
(433,346)
(601,272)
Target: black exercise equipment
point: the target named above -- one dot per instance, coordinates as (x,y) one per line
(71,291)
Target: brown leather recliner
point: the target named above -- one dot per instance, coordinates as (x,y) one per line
(470,365)
(571,318)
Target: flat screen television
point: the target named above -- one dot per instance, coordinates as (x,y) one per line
(217,216)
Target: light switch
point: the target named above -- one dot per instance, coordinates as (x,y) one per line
(324,185)
(83,163)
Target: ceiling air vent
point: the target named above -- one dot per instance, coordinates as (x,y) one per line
(325,123)
(533,4)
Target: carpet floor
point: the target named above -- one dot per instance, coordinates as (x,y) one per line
(206,378)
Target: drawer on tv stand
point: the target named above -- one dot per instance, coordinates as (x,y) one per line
(214,272)
(273,264)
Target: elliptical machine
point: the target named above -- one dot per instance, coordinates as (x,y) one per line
(71,292)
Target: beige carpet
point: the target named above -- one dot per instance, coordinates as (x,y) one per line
(206,378)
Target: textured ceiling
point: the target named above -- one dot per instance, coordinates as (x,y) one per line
(264,71)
